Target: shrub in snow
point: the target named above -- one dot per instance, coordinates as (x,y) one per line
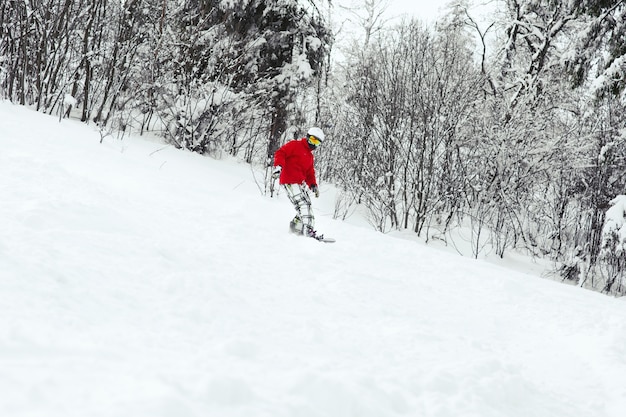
(614,245)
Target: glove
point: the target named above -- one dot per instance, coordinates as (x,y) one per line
(276,172)
(315,190)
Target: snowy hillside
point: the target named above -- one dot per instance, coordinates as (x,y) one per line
(141,281)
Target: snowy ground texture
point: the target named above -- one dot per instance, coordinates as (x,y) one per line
(142,281)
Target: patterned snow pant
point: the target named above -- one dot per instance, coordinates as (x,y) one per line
(304,221)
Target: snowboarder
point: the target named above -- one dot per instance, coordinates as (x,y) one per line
(294,165)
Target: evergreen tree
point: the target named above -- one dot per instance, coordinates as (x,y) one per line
(600,52)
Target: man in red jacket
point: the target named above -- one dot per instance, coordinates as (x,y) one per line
(294,164)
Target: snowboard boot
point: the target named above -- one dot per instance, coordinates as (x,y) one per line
(295,226)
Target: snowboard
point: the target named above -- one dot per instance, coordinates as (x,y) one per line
(299,233)
(324,239)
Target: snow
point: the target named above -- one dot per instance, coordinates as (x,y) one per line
(68,100)
(140,280)
(615,223)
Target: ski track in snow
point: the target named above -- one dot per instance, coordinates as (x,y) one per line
(142,283)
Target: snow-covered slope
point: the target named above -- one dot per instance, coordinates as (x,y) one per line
(141,281)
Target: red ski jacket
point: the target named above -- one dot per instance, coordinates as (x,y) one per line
(296,159)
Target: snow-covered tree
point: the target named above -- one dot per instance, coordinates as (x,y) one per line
(265,49)
(408,92)
(613,253)
(599,55)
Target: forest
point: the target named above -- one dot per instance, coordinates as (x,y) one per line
(514,128)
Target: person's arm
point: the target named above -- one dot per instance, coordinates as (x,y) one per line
(311,181)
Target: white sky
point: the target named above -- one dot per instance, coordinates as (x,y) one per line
(427,10)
